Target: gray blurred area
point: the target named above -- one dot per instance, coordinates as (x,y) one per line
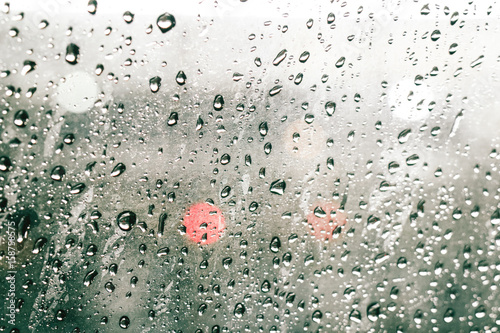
(386,113)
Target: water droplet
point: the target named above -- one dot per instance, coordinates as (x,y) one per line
(225,192)
(109,287)
(298,78)
(330,108)
(60,315)
(181,78)
(304,56)
(58,173)
(412,160)
(495,217)
(118,170)
(340,62)
(199,123)
(5,164)
(355,316)
(163,252)
(155,84)
(239,310)
(124,322)
(280,57)
(480,312)
(275,245)
(330,18)
(316,316)
(39,244)
(28,66)
(265,286)
(309,23)
(373,311)
(92,7)
(454,18)
(393,167)
(77,188)
(263,128)
(225,159)
(165,22)
(435,35)
(172,119)
(218,103)
(425,10)
(275,90)
(404,135)
(128,17)
(278,187)
(126,220)
(21,118)
(89,277)
(72,54)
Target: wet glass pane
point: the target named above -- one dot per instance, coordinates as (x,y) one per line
(249,166)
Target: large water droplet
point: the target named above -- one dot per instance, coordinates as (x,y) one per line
(72,54)
(355,316)
(128,17)
(118,170)
(21,118)
(155,84)
(124,322)
(126,220)
(181,78)
(89,277)
(58,173)
(316,316)
(275,90)
(373,311)
(92,7)
(239,310)
(218,102)
(278,187)
(330,108)
(5,164)
(165,22)
(275,245)
(28,66)
(280,57)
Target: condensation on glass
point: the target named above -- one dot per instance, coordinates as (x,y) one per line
(250,166)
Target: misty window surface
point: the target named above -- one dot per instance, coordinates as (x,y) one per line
(249,166)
